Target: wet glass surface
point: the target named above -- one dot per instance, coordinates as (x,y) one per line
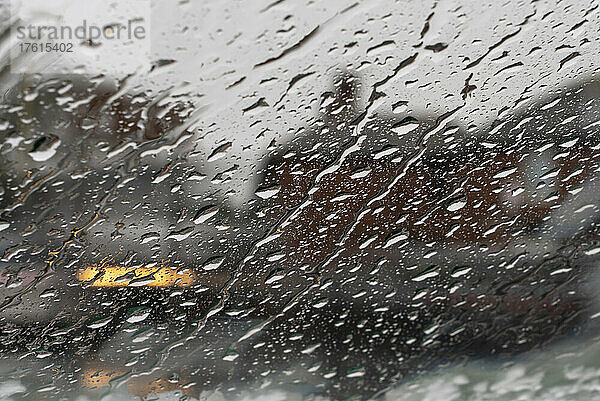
(304,200)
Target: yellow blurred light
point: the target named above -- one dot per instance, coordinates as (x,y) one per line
(112,276)
(99,378)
